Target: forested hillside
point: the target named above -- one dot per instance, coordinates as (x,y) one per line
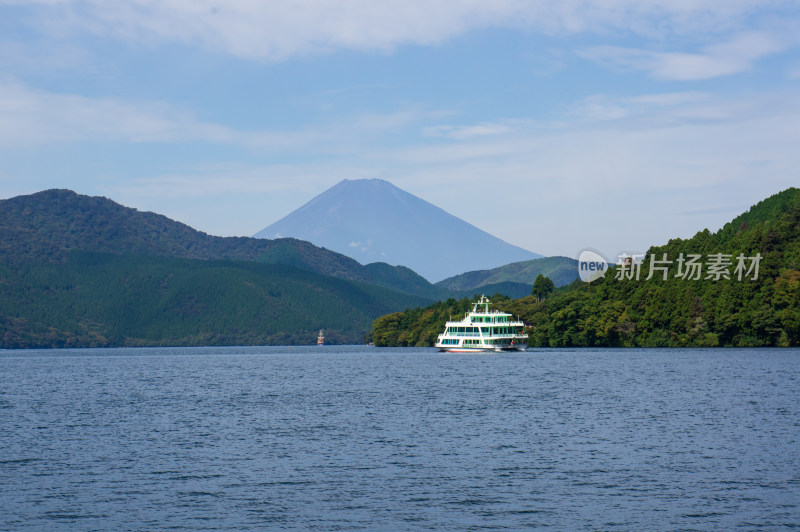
(83,271)
(560,270)
(47,225)
(712,294)
(98,300)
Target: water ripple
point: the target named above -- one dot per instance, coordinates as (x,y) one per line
(343,438)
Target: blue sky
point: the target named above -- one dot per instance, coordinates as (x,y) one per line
(553,124)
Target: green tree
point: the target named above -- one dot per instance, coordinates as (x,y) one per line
(761,308)
(542,287)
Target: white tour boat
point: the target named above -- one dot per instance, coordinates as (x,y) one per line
(483,330)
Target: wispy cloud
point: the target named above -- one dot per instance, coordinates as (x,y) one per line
(30,116)
(666,142)
(601,108)
(278,29)
(465,132)
(722,59)
(215,180)
(17,56)
(670,140)
(606,180)
(675,145)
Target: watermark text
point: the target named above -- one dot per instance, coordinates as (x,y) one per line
(690,267)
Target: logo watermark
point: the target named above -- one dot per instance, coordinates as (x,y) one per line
(591,265)
(688,267)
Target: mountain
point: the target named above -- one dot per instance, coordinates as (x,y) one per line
(717,307)
(105,300)
(82,271)
(372,220)
(560,270)
(49,224)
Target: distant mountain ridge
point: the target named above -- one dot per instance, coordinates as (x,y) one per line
(372,220)
(560,270)
(48,225)
(79,271)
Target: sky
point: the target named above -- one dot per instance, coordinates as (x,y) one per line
(556,125)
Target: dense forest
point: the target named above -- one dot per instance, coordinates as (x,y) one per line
(739,286)
(100,300)
(46,226)
(79,271)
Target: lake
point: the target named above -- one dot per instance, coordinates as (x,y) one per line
(351,437)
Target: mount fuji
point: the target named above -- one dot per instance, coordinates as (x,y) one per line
(371,220)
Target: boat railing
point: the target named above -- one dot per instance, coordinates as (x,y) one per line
(477,335)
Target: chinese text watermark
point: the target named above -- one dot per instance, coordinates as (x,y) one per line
(689,267)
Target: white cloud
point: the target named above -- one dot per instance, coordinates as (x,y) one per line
(465,132)
(213,181)
(664,155)
(43,57)
(673,128)
(277,29)
(30,116)
(671,164)
(722,59)
(603,108)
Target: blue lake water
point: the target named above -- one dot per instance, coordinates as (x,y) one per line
(362,438)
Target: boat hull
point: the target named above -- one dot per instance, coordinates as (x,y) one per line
(480,349)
